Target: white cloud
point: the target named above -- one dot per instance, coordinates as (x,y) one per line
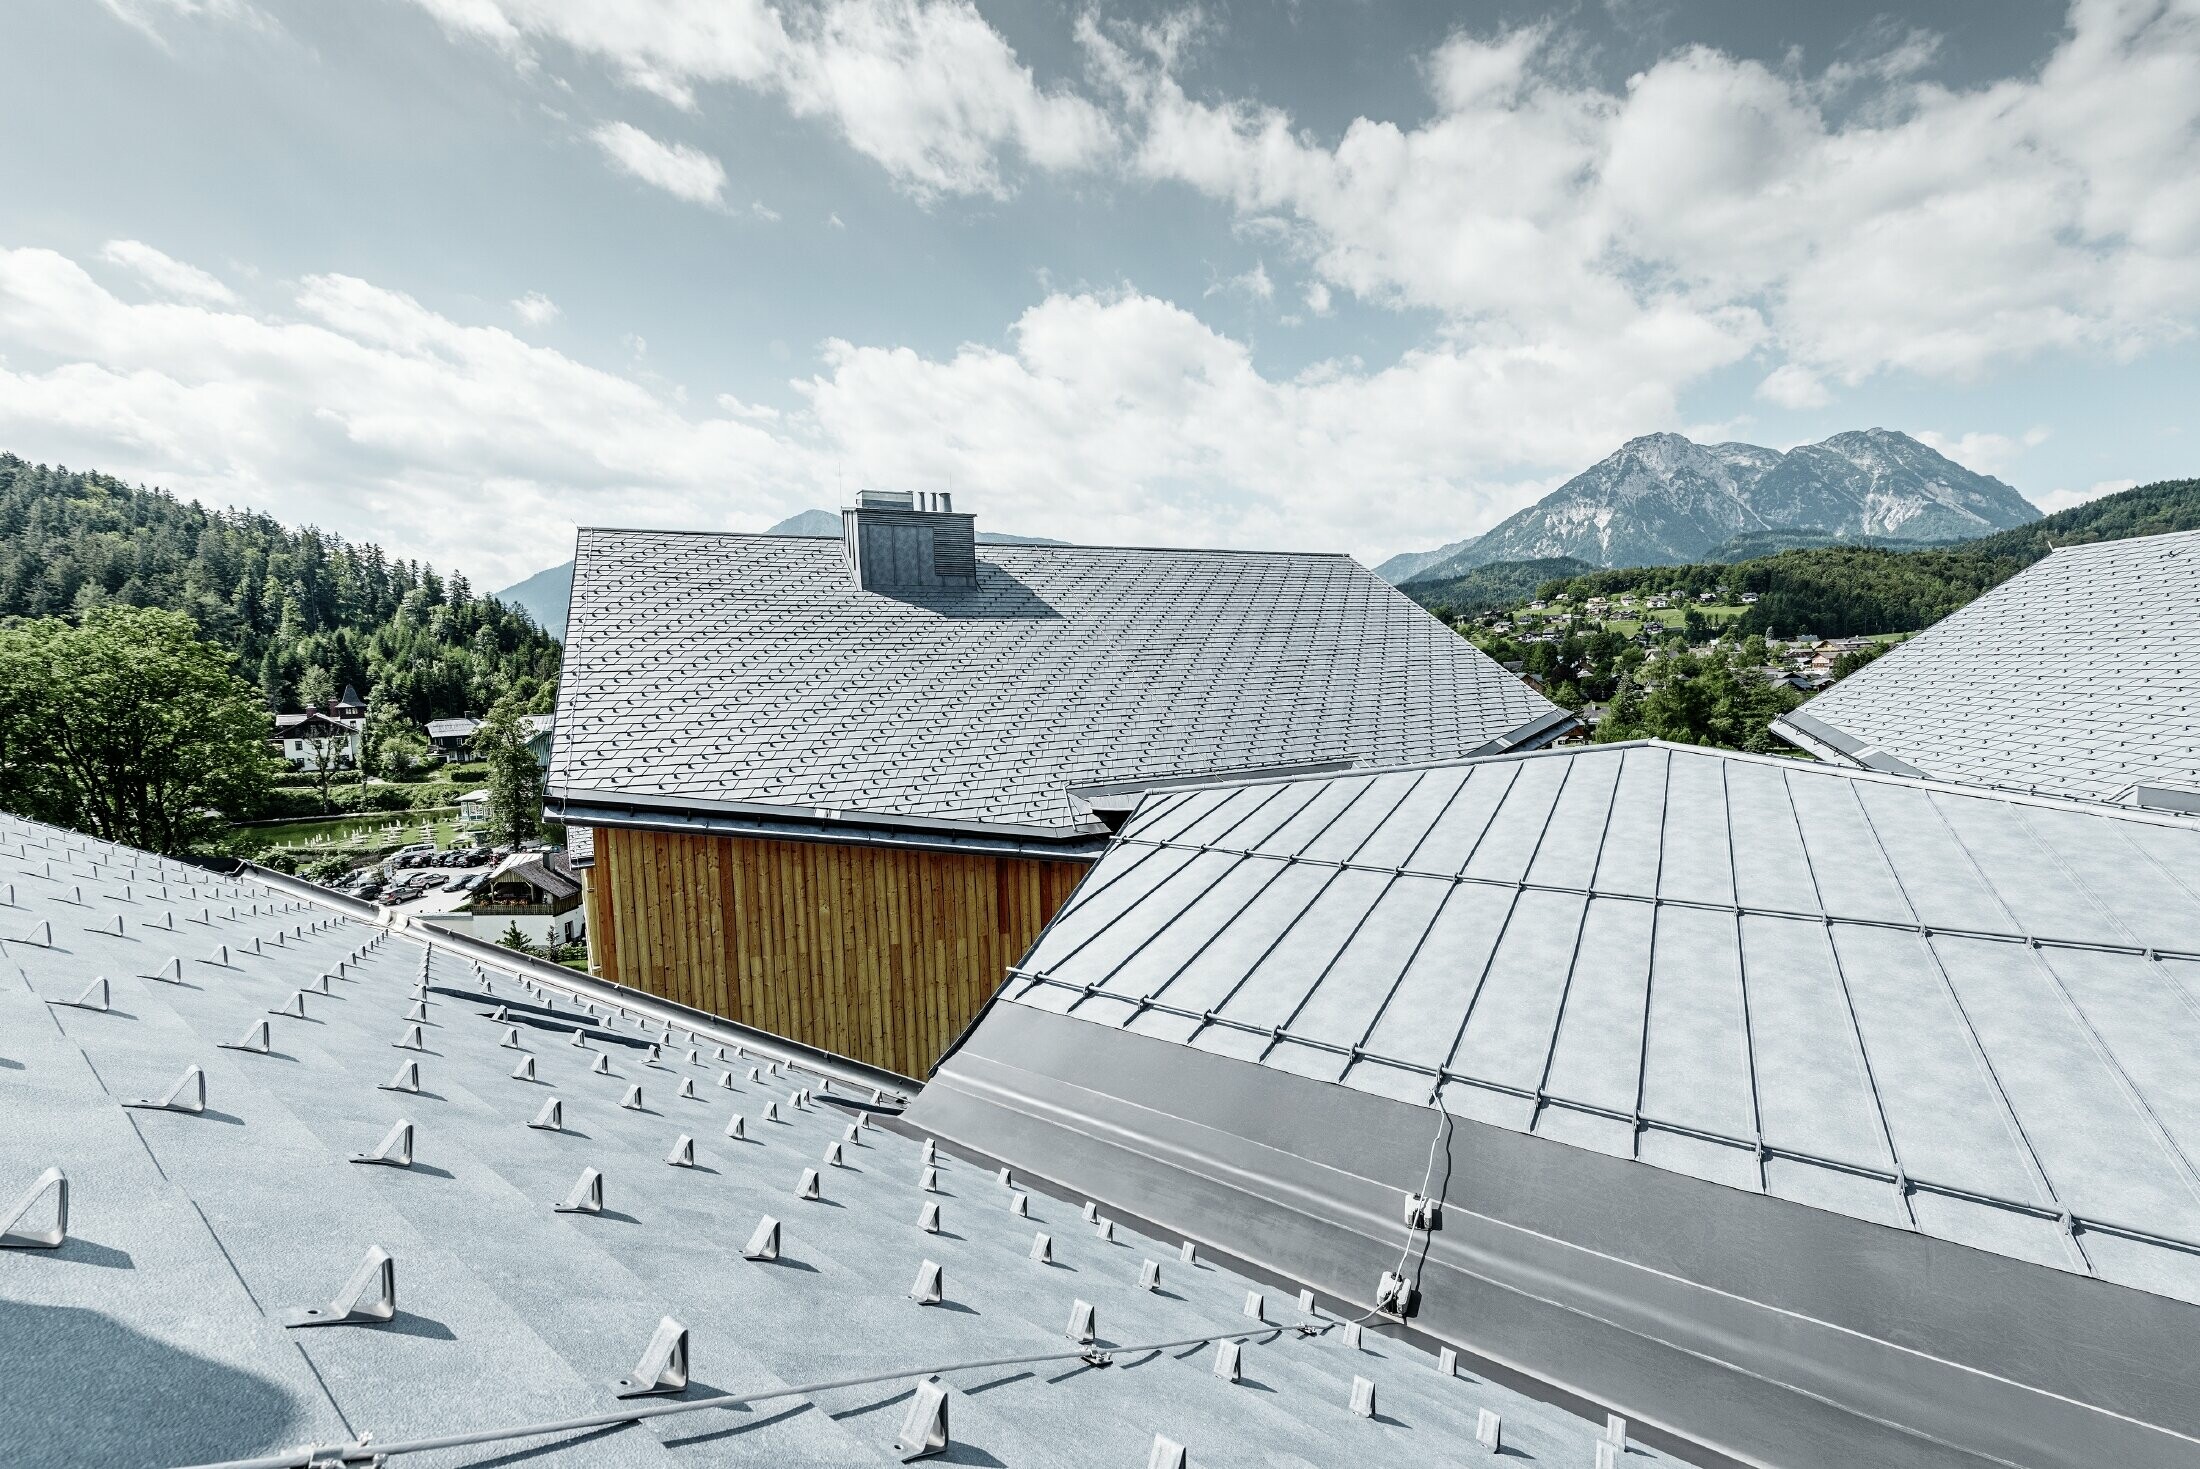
(363,411)
(1988,453)
(2063,499)
(925,88)
(536,309)
(683,172)
(145,16)
(1317,298)
(1253,283)
(1113,417)
(1791,385)
(1872,218)
(167,276)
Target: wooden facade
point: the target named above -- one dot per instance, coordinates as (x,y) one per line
(879,954)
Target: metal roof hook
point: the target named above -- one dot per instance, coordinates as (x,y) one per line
(764,1243)
(929,1289)
(187,1095)
(259,1040)
(369,1298)
(552,1116)
(15,1234)
(406,1080)
(1363,1397)
(95,997)
(1083,1325)
(586,1197)
(525,1070)
(394,1151)
(924,1426)
(1167,1452)
(663,1370)
(683,1153)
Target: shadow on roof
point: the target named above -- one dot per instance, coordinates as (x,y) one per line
(999,596)
(81,1396)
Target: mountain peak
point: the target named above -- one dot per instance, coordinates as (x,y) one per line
(1662,498)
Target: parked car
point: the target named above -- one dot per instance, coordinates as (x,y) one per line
(465,882)
(431,880)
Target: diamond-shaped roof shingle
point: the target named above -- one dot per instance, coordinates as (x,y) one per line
(749,669)
(2074,678)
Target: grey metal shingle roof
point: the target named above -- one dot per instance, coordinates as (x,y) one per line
(2075,678)
(740,668)
(155,1334)
(1958,1012)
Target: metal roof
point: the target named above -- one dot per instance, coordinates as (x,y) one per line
(1964,1013)
(2073,678)
(749,669)
(156,1334)
(451,729)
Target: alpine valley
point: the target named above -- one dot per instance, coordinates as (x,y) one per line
(1664,499)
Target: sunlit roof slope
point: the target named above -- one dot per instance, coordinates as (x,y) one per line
(1824,1117)
(2077,677)
(749,673)
(1942,1010)
(362,1094)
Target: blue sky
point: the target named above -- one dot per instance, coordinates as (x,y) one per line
(460,274)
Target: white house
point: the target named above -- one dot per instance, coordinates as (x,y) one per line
(307,740)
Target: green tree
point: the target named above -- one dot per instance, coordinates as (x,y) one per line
(515,778)
(392,745)
(129,726)
(513,939)
(316,687)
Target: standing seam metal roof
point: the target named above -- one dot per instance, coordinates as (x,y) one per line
(1953,1011)
(154,1335)
(744,668)
(2072,678)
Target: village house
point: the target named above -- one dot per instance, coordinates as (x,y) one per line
(538,893)
(314,740)
(837,785)
(452,738)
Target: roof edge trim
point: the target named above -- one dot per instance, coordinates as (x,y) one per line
(595,809)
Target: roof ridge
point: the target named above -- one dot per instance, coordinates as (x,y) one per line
(983,545)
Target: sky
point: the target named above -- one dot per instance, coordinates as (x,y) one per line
(459,275)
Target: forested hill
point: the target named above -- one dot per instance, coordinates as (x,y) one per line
(1836,591)
(288,602)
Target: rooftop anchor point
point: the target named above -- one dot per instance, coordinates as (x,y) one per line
(663,1370)
(369,1298)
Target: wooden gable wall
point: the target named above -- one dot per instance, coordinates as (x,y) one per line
(875,953)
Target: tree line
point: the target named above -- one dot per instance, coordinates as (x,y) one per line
(144,640)
(303,613)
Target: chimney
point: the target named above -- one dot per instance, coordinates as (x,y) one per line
(897,539)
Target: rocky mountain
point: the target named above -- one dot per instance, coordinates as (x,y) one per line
(549,593)
(1665,499)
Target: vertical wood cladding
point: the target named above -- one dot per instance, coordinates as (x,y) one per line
(874,953)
